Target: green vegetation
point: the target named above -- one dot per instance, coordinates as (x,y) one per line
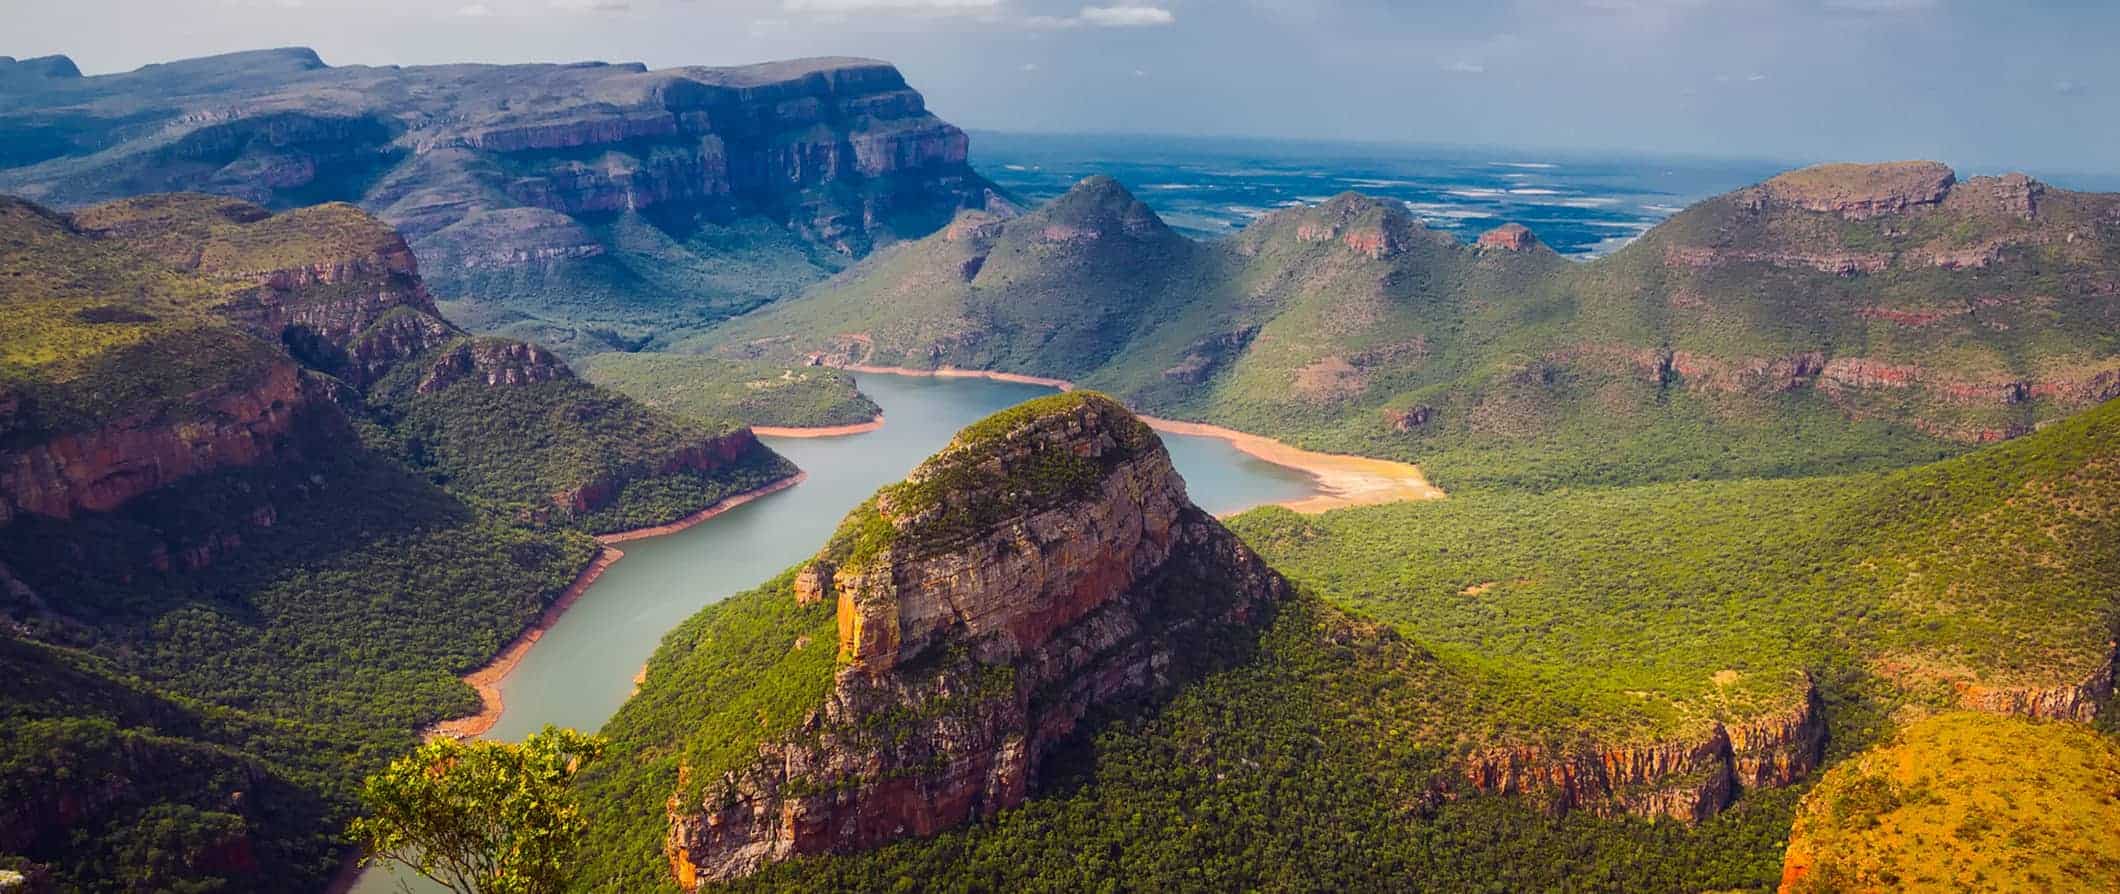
(1962,802)
(603,460)
(1694,353)
(767,660)
(1306,767)
(1330,754)
(200,678)
(325,639)
(969,485)
(710,392)
(1645,609)
(481,817)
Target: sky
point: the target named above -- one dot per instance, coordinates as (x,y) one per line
(1983,84)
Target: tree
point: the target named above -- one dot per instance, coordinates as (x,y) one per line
(481,817)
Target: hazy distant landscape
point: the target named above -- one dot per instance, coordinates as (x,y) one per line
(529,477)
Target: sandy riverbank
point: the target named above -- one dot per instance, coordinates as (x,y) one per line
(1346,480)
(726,504)
(488,679)
(951,372)
(822,431)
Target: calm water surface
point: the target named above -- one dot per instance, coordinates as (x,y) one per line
(583,668)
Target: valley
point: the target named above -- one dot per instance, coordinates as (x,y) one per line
(897,519)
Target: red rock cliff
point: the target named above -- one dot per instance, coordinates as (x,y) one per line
(977,638)
(235,424)
(1689,778)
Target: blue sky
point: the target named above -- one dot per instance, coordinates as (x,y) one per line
(1984,85)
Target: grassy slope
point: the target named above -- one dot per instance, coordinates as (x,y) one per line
(1996,568)
(517,446)
(1502,617)
(1539,373)
(1963,802)
(346,591)
(710,391)
(82,320)
(337,631)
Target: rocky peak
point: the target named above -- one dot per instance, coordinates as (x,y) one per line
(1098,208)
(1374,228)
(1509,237)
(493,362)
(2011,195)
(1857,191)
(1046,563)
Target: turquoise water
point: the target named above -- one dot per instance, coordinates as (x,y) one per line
(583,668)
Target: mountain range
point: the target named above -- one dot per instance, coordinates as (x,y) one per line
(262,508)
(1830,319)
(587,207)
(1771,539)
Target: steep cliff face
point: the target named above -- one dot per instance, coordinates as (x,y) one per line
(236,424)
(1689,778)
(533,186)
(1036,570)
(338,288)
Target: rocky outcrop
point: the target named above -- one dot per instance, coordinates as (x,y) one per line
(1859,191)
(840,150)
(1688,779)
(1368,227)
(1046,563)
(492,362)
(1509,237)
(339,288)
(238,424)
(705,456)
(2079,702)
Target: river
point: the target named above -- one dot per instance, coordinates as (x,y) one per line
(582,670)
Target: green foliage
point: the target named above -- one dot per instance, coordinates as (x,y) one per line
(481,817)
(1684,356)
(567,444)
(1004,465)
(768,661)
(232,652)
(1308,766)
(712,392)
(1686,602)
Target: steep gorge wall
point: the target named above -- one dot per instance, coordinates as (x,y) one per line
(1687,778)
(964,663)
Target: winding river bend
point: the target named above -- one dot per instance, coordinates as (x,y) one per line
(582,670)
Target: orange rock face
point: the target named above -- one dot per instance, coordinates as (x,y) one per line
(100,470)
(1018,630)
(1509,237)
(1688,779)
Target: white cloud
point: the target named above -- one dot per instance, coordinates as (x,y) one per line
(1463,67)
(927,6)
(1030,66)
(591,5)
(1127,16)
(475,11)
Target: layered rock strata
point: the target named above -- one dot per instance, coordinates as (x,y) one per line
(1045,565)
(1689,778)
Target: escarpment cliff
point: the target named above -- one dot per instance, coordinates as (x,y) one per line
(1929,312)
(340,290)
(562,192)
(1689,778)
(1045,566)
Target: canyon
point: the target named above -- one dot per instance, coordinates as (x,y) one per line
(967,653)
(1935,311)
(529,174)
